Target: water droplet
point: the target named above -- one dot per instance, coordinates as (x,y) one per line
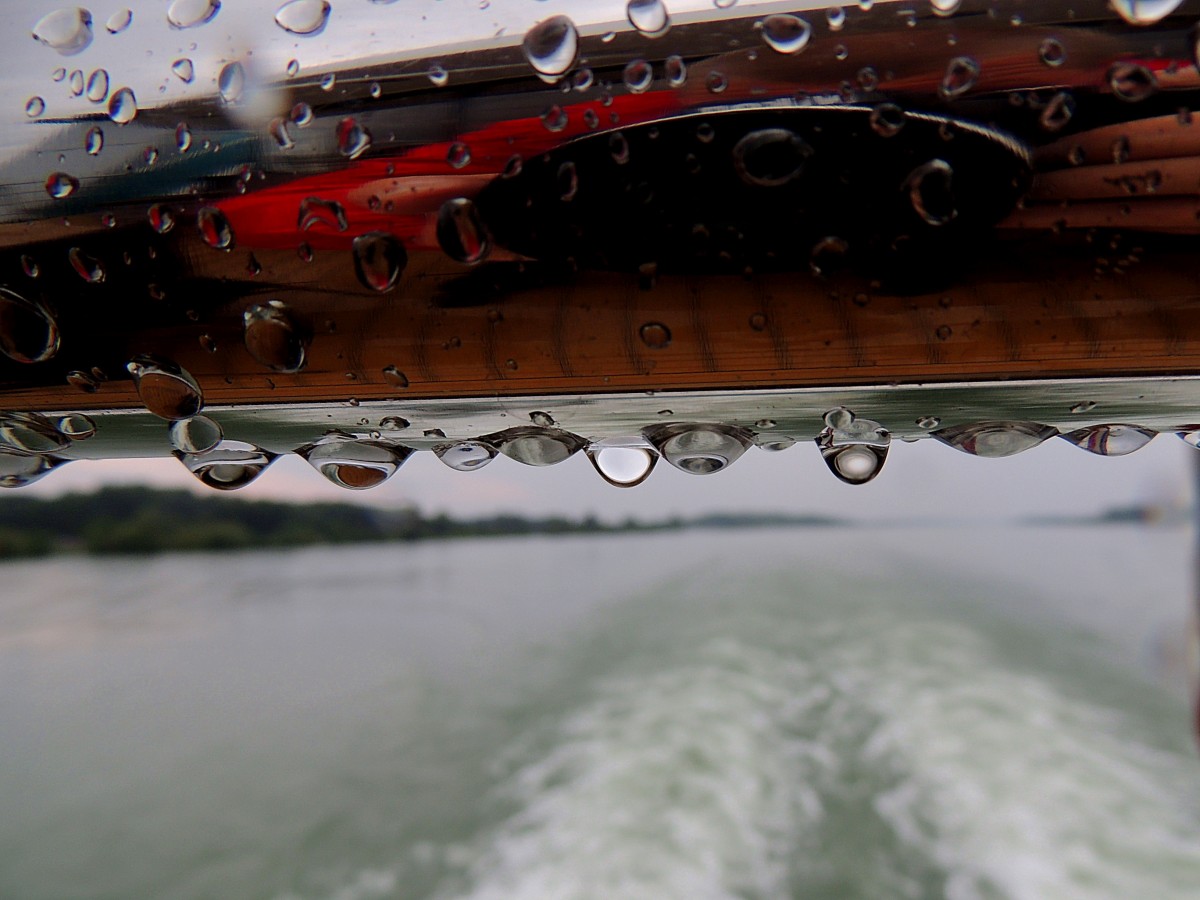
(161,218)
(461,232)
(59,74)
(623,467)
(75,82)
(301,114)
(554,118)
(1131,82)
(272,338)
(183,137)
(150,155)
(166,390)
(466,456)
(835,17)
(228,466)
(699,449)
(190,13)
(1057,112)
(30,433)
(93,141)
(655,335)
(887,119)
(1144,12)
(930,190)
(21,469)
(379,260)
(76,426)
(638,76)
(675,69)
(86,267)
(995,440)
(394,377)
(551,47)
(82,381)
(325,213)
(855,449)
(29,266)
(458,155)
(1111,440)
(199,434)
(650,17)
(303,17)
(122,106)
(97,86)
(354,464)
(393,423)
(215,228)
(119,21)
(534,446)
(961,75)
(34,107)
(438,76)
(1052,53)
(60,184)
(945,7)
(770,157)
(184,70)
(352,138)
(67,30)
(715,82)
(928,423)
(568,181)
(231,82)
(786,33)
(28,332)
(542,418)
(328,81)
(618,148)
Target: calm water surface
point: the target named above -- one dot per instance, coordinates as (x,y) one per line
(962,713)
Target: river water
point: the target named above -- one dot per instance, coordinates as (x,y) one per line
(960,712)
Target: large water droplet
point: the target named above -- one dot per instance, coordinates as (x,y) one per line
(190,13)
(1132,82)
(161,218)
(93,141)
(1052,53)
(354,464)
(304,17)
(60,184)
(28,333)
(184,70)
(638,76)
(352,138)
(458,155)
(272,338)
(655,335)
(379,260)
(76,426)
(1111,440)
(930,189)
(466,456)
(855,449)
(119,21)
(21,469)
(228,466)
(699,449)
(770,157)
(97,86)
(786,33)
(676,70)
(199,434)
(231,81)
(534,446)
(215,228)
(461,232)
(1144,12)
(301,114)
(551,47)
(623,467)
(86,267)
(315,212)
(166,390)
(30,433)
(34,107)
(122,106)
(995,440)
(961,75)
(650,17)
(67,30)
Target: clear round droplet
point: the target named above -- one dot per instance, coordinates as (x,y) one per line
(379,260)
(76,426)
(86,267)
(1144,12)
(93,141)
(161,218)
(183,137)
(34,107)
(1111,440)
(393,423)
(1131,82)
(59,185)
(655,335)
(30,433)
(303,17)
(199,434)
(1057,112)
(770,157)
(1052,53)
(28,332)
(650,17)
(394,377)
(618,148)
(638,76)
(715,82)
(995,440)
(945,7)
(835,18)
(215,228)
(551,47)
(458,155)
(930,190)
(623,467)
(67,30)
(355,464)
(228,466)
(75,83)
(438,76)
(191,13)
(533,446)
(231,81)
(97,86)
(21,469)
(272,337)
(461,232)
(961,74)
(184,70)
(786,33)
(675,69)
(301,114)
(166,389)
(119,21)
(699,449)
(122,106)
(321,214)
(466,456)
